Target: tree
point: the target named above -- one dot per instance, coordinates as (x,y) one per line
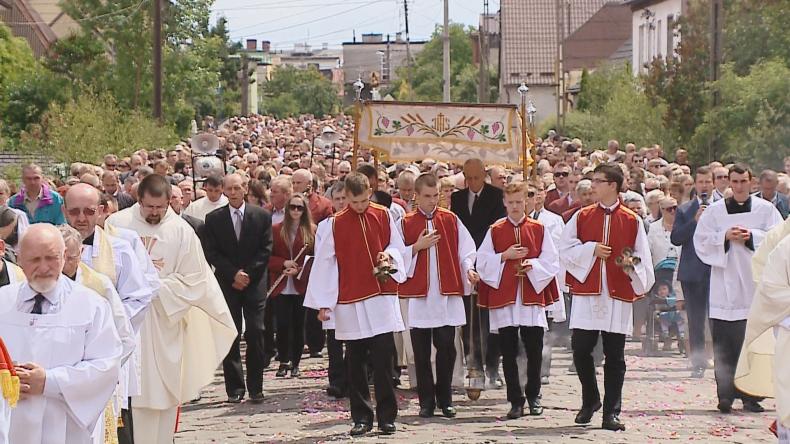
(596,88)
(426,72)
(293,91)
(92,125)
(16,59)
(753,121)
(756,31)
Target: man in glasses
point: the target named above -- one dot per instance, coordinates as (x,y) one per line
(721,182)
(116,259)
(727,235)
(561,185)
(595,241)
(180,344)
(693,274)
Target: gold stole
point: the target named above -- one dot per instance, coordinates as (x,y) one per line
(104,262)
(91,279)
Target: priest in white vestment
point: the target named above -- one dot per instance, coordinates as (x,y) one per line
(64,342)
(188,329)
(727,235)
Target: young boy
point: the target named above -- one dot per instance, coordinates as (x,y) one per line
(363,238)
(519,262)
(442,268)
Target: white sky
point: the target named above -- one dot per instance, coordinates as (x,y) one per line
(286,22)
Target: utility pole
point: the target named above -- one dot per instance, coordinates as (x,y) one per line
(408,47)
(716,19)
(446,53)
(558,60)
(157,61)
(245,85)
(482,87)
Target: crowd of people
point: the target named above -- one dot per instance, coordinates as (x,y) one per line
(125,284)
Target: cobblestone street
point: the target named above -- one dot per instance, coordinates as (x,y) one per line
(661,404)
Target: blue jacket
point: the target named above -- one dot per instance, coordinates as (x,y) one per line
(780,201)
(50,208)
(691,268)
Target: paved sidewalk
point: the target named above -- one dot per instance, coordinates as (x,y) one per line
(661,404)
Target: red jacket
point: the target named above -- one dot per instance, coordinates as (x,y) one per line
(320,207)
(281,253)
(561,205)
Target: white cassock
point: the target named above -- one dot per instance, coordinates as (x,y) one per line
(15,274)
(102,285)
(324,228)
(544,268)
(187,331)
(201,207)
(363,319)
(436,310)
(731,282)
(132,369)
(554,225)
(78,345)
(602,312)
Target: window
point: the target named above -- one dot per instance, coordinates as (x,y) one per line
(641,46)
(659,42)
(670,35)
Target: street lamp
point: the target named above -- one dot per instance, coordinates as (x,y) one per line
(358,87)
(523,89)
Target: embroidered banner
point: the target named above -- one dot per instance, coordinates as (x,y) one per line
(444,132)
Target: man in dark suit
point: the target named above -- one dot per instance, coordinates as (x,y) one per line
(111,186)
(237,240)
(478,206)
(693,274)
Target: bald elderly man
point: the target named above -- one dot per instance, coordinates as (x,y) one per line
(320,206)
(64,341)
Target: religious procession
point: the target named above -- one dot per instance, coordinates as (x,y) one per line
(365,245)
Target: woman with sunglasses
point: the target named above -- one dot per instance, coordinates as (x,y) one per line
(293,240)
(665,255)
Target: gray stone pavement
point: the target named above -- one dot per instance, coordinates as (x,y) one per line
(661,404)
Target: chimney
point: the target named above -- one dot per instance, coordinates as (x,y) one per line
(252,44)
(266,46)
(398,37)
(325,46)
(372,38)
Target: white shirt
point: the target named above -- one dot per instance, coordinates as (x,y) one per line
(731,283)
(80,350)
(602,312)
(544,268)
(660,246)
(363,319)
(436,310)
(201,207)
(278,215)
(471,198)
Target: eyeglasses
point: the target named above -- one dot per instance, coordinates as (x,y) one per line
(293,207)
(670,209)
(561,174)
(111,165)
(88,212)
(647,190)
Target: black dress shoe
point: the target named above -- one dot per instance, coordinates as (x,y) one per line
(360,428)
(535,409)
(257,398)
(516,411)
(426,412)
(316,355)
(283,370)
(586,413)
(334,392)
(387,429)
(235,399)
(612,422)
(753,406)
(725,406)
(295,373)
(449,411)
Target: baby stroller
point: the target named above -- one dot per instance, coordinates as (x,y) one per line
(665,310)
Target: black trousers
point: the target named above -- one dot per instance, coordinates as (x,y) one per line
(126,433)
(314,331)
(337,362)
(509,339)
(727,342)
(583,342)
(269,323)
(251,309)
(488,342)
(382,350)
(439,393)
(696,295)
(290,328)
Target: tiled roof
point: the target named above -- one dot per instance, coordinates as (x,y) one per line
(599,38)
(529,36)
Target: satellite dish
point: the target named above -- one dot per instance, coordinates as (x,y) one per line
(205,143)
(208,166)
